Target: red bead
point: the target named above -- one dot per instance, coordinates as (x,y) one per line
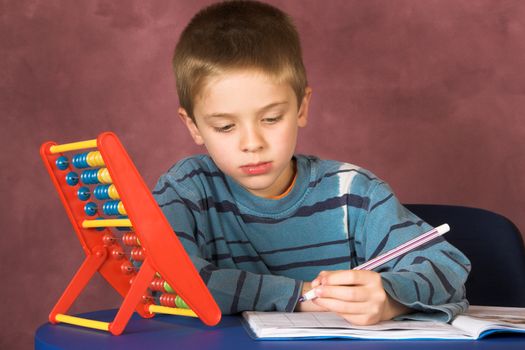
(117,253)
(127,267)
(157,284)
(168,300)
(130,239)
(108,239)
(137,254)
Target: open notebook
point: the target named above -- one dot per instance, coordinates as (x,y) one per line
(478,322)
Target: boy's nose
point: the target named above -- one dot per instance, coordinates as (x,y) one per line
(251,140)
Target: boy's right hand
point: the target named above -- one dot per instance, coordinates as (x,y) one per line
(308,305)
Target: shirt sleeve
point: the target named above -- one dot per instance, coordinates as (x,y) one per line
(430,279)
(233,289)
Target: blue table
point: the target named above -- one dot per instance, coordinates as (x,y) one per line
(176,332)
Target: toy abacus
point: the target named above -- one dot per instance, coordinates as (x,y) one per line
(150,269)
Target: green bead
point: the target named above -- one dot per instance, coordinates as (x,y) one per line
(181,303)
(168,288)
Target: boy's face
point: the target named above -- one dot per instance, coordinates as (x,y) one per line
(249,125)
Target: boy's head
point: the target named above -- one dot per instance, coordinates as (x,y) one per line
(243,93)
(237,35)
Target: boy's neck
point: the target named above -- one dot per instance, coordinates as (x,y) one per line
(291,184)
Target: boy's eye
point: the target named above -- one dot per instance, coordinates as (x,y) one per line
(225,128)
(272,120)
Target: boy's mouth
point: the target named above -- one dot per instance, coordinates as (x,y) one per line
(257,169)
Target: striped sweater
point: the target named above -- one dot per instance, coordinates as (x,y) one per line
(254,253)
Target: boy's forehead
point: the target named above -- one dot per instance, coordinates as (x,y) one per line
(242,91)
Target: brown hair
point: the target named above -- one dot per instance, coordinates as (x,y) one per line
(237,35)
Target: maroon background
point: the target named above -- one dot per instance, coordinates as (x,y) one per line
(427,94)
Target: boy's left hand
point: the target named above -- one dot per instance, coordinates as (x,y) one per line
(357,295)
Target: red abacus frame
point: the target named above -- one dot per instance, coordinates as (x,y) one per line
(163,253)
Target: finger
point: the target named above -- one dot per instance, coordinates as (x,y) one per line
(349,277)
(317,280)
(342,307)
(345,293)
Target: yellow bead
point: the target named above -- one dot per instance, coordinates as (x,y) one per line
(94,159)
(103,176)
(99,159)
(112,192)
(121,209)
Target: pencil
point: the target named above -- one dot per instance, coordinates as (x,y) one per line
(392,254)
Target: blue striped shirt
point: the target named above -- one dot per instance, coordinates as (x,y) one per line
(254,253)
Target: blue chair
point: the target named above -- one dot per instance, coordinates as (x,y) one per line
(494,246)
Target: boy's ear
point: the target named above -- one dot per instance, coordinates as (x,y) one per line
(192,127)
(302,116)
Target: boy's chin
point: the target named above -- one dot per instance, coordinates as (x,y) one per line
(258,187)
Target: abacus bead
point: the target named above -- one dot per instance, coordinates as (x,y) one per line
(168,288)
(84,160)
(62,163)
(137,254)
(118,253)
(130,239)
(181,303)
(112,192)
(72,178)
(77,161)
(157,284)
(85,176)
(103,176)
(94,159)
(111,208)
(100,192)
(167,300)
(90,208)
(127,267)
(120,208)
(83,193)
(108,239)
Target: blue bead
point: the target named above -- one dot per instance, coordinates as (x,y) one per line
(80,160)
(83,193)
(90,208)
(97,192)
(101,192)
(74,161)
(72,178)
(90,176)
(62,163)
(110,208)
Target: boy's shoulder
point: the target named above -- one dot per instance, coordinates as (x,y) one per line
(347,177)
(195,164)
(328,167)
(192,177)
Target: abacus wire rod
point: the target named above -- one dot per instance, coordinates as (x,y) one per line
(73,146)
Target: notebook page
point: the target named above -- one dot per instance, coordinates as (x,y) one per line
(305,324)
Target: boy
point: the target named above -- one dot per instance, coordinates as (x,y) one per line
(263,225)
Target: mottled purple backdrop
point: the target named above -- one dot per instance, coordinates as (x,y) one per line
(429,95)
